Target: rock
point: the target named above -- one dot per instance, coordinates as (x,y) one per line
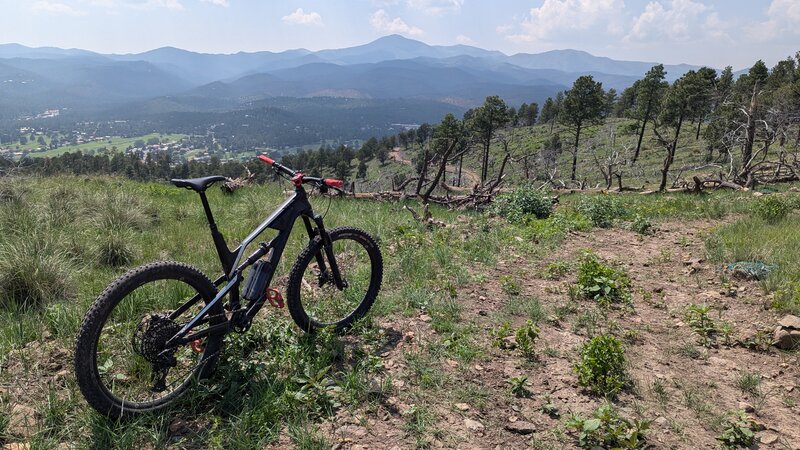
(746,407)
(16,446)
(790,321)
(521,427)
(786,339)
(509,342)
(473,425)
(425,318)
(179,427)
(768,438)
(452,363)
(23,422)
(462,406)
(351,431)
(661,421)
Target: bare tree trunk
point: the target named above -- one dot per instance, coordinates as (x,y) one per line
(460,164)
(670,155)
(641,134)
(750,129)
(424,172)
(575,152)
(485,164)
(699,122)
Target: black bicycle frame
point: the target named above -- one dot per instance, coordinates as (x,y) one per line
(234,263)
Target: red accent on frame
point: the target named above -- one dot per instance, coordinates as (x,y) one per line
(339,184)
(266,159)
(197,346)
(297,180)
(275,298)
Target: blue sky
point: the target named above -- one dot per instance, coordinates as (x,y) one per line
(711,32)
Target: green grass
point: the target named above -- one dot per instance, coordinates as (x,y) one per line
(115,141)
(775,243)
(77,234)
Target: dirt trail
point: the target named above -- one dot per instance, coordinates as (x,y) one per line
(699,384)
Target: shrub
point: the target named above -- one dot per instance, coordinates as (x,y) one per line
(601,366)
(602,283)
(602,210)
(509,285)
(737,432)
(642,225)
(522,202)
(526,338)
(32,273)
(771,208)
(697,316)
(606,429)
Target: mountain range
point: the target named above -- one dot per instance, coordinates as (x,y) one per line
(314,93)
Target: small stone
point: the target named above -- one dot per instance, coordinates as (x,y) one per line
(473,425)
(790,321)
(786,339)
(513,418)
(660,421)
(746,407)
(478,367)
(452,363)
(482,298)
(17,446)
(351,431)
(425,318)
(178,427)
(521,427)
(23,422)
(768,438)
(510,342)
(462,406)
(408,336)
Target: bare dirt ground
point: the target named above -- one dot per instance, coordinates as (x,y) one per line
(668,273)
(472,407)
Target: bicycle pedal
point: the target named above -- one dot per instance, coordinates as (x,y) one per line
(197,346)
(275,298)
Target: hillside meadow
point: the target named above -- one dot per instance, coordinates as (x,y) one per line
(482,336)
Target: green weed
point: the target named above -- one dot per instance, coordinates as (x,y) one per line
(601,365)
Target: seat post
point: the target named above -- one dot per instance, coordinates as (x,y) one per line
(225,255)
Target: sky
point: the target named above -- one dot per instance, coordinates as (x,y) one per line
(716,33)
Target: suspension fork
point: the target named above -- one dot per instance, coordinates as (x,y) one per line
(327,245)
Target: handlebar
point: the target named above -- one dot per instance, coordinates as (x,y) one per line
(298,178)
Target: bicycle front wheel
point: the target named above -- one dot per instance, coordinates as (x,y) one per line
(122,364)
(312,295)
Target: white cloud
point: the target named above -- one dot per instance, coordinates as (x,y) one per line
(382,22)
(436,6)
(56,8)
(556,18)
(783,18)
(466,40)
(147,5)
(224,3)
(300,17)
(681,20)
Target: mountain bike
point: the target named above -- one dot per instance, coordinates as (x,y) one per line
(159,327)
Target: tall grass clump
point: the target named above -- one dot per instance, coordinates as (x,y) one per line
(119,211)
(525,201)
(13,190)
(33,272)
(113,248)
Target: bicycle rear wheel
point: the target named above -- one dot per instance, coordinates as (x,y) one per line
(121,363)
(313,298)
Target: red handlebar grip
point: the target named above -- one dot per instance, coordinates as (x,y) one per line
(266,159)
(338,184)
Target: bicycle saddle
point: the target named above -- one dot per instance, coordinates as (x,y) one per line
(197,184)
